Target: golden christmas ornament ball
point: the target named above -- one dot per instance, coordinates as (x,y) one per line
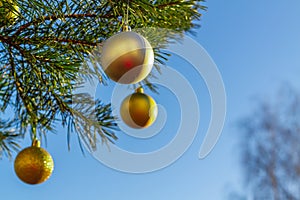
(34,165)
(138,110)
(127,57)
(8,11)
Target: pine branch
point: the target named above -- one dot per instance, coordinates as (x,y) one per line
(163,5)
(46,53)
(53,39)
(52,18)
(8,138)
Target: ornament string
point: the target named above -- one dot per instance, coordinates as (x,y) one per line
(127,13)
(126,24)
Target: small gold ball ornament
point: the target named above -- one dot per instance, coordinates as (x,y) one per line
(34,165)
(8,11)
(127,57)
(138,110)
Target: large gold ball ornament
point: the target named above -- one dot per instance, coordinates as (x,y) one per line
(8,11)
(34,165)
(127,57)
(138,110)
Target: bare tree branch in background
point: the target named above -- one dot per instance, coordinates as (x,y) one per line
(270,148)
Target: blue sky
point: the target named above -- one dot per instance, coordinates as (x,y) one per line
(256,46)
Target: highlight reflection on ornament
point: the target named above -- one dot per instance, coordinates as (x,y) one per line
(138,110)
(127,57)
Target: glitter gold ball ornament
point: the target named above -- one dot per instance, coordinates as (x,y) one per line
(8,11)
(138,110)
(127,57)
(34,165)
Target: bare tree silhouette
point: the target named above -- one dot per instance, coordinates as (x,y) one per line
(270,148)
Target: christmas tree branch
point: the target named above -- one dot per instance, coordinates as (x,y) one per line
(36,40)
(8,137)
(18,85)
(45,56)
(164,5)
(52,18)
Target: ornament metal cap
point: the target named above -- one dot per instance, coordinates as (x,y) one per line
(36,143)
(126,28)
(139,90)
